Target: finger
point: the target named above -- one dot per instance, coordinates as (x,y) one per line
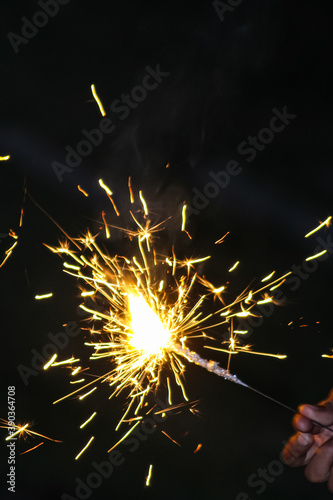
(320,466)
(318,413)
(302,424)
(299,449)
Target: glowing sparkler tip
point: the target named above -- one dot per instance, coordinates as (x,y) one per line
(148,332)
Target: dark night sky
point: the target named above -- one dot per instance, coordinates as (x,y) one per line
(223,79)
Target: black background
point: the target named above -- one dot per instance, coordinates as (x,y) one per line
(225,78)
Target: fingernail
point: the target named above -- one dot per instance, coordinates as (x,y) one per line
(305,409)
(312,407)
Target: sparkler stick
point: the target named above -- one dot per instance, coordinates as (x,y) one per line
(214,367)
(211,366)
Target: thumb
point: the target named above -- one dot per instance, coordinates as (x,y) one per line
(321,414)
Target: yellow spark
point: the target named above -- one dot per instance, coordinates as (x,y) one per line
(114,207)
(130,190)
(241,332)
(21,217)
(46,296)
(234,266)
(198,448)
(12,234)
(7,257)
(97,99)
(169,391)
(88,420)
(325,223)
(84,449)
(278,356)
(31,449)
(265,301)
(217,242)
(70,266)
(108,190)
(161,285)
(225,313)
(49,363)
(184,217)
(95,313)
(316,256)
(87,393)
(124,436)
(107,232)
(218,290)
(76,370)
(268,277)
(82,191)
(21,429)
(88,293)
(190,263)
(167,435)
(148,478)
(66,362)
(138,265)
(8,253)
(4,158)
(174,261)
(144,204)
(195,261)
(77,381)
(276,286)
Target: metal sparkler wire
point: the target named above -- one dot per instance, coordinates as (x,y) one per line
(214,367)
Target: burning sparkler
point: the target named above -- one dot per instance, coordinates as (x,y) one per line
(143,311)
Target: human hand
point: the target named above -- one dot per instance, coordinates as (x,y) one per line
(312,445)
